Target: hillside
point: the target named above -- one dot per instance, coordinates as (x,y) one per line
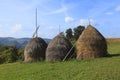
(19,42)
(107,68)
(113,39)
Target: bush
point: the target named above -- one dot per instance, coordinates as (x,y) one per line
(8,54)
(21,54)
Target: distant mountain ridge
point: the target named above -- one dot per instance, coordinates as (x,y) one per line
(18,42)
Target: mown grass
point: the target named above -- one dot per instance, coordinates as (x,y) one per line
(107,68)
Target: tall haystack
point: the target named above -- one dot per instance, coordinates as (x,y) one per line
(36,47)
(35,50)
(91,44)
(58,49)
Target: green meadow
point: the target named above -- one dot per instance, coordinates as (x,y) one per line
(107,68)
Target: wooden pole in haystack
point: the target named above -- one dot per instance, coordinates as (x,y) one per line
(37,27)
(89,21)
(59,28)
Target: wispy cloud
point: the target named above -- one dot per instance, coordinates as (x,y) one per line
(63,8)
(97,10)
(69,19)
(52,31)
(57,11)
(51,27)
(117,8)
(1,34)
(1,30)
(85,22)
(109,13)
(16,28)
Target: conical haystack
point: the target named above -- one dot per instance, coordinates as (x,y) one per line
(36,47)
(35,50)
(91,44)
(58,49)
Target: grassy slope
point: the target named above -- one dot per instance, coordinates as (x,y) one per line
(97,69)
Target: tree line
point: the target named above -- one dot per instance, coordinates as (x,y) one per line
(74,34)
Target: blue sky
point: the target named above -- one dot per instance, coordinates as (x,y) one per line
(17,17)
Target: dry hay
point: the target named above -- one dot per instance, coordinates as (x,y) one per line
(91,44)
(35,50)
(58,49)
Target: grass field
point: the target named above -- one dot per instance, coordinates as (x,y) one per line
(98,69)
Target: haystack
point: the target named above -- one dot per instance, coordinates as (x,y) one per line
(36,47)
(35,50)
(58,49)
(91,44)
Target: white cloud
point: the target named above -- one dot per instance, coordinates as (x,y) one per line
(85,22)
(51,27)
(117,8)
(69,19)
(109,13)
(61,10)
(16,28)
(49,34)
(1,34)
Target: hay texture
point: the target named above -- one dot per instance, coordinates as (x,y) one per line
(58,49)
(91,44)
(35,50)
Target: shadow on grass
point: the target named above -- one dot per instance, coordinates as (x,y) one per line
(113,55)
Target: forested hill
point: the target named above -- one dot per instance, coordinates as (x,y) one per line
(18,42)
